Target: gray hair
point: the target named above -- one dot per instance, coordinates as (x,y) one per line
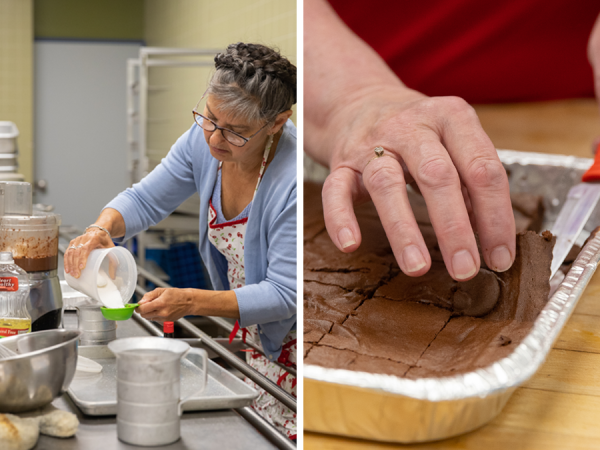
(254,81)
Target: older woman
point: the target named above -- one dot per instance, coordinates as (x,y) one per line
(240,156)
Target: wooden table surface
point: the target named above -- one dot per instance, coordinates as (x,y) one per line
(559,408)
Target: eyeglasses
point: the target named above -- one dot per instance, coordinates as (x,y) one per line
(230,136)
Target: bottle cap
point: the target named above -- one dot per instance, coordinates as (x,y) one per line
(6,258)
(168,327)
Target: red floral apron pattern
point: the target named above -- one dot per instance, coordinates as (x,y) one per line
(274,411)
(228,238)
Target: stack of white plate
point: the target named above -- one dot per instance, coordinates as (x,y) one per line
(9,152)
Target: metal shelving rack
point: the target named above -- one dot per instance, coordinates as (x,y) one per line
(138,121)
(138,89)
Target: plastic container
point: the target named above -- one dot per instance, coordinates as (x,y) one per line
(9,176)
(14,293)
(96,280)
(15,197)
(72,298)
(8,162)
(8,137)
(123,313)
(33,240)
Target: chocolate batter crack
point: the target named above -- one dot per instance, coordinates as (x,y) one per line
(436,335)
(307,278)
(355,361)
(399,331)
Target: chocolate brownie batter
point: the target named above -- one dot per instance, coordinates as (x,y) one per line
(361,313)
(31,252)
(35,264)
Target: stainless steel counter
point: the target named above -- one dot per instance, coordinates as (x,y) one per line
(206,430)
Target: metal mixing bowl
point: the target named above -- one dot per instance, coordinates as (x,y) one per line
(42,370)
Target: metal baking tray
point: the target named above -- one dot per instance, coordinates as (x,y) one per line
(389,408)
(96,394)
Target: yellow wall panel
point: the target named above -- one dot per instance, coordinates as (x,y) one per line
(204,24)
(16,75)
(76,19)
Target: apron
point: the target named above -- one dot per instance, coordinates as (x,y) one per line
(228,238)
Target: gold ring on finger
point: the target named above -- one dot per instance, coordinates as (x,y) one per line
(379,152)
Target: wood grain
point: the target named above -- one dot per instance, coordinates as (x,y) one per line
(566,127)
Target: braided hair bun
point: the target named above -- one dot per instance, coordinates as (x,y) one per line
(254,74)
(254,60)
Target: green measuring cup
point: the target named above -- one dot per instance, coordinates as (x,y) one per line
(119,313)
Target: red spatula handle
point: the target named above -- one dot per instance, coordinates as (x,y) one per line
(593,173)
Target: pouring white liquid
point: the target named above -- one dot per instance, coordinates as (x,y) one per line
(108,292)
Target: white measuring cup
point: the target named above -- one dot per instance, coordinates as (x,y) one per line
(148,388)
(98,281)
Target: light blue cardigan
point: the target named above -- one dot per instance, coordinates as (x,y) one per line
(269,297)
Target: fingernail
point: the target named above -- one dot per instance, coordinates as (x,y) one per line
(500,259)
(81,266)
(346,238)
(463,265)
(413,258)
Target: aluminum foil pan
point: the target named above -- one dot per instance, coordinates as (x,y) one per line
(389,408)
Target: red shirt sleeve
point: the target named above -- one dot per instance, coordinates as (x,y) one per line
(482,51)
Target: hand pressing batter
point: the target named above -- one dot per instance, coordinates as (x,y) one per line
(436,143)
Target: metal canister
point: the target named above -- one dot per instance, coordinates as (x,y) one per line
(96,330)
(148,388)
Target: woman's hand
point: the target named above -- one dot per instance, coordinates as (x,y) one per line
(354,103)
(171,304)
(80,248)
(76,258)
(438,144)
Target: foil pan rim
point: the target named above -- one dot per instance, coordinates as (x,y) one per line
(527,357)
(544,159)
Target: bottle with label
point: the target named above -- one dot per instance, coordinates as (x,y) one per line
(14,293)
